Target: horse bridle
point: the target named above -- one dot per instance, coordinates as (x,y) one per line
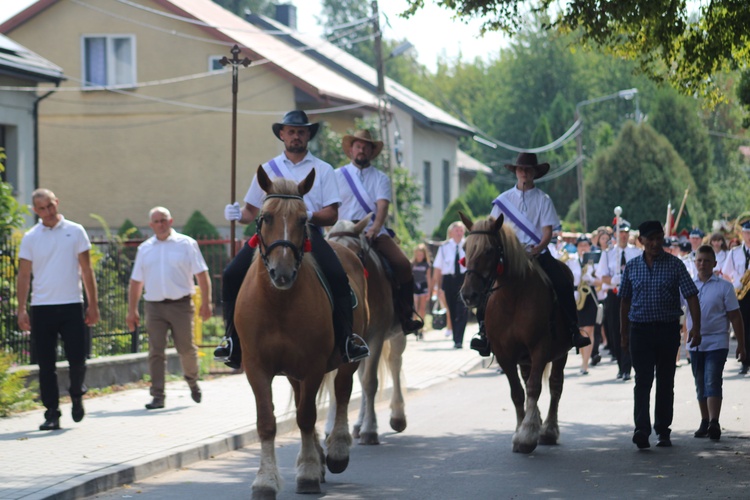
(499,257)
(364,247)
(299,250)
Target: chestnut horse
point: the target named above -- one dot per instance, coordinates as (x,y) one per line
(523,321)
(383,326)
(284,321)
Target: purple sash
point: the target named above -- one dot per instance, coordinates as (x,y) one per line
(517,221)
(357,194)
(275,168)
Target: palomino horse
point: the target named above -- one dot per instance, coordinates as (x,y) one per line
(284,322)
(383,326)
(524,324)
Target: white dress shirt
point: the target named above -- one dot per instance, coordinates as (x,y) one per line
(375,182)
(735,265)
(446,256)
(609,263)
(535,204)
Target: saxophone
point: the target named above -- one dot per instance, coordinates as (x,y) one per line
(584,289)
(744,285)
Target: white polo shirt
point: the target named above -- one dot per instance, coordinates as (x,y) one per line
(53,253)
(716,297)
(375,182)
(166,268)
(325,190)
(445,260)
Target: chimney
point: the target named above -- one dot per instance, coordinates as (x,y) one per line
(287,14)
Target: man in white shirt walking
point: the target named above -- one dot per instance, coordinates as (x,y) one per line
(165,266)
(56,252)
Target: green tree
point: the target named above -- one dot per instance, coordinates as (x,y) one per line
(11,212)
(129,231)
(264,7)
(641,172)
(451,215)
(200,228)
(479,195)
(667,39)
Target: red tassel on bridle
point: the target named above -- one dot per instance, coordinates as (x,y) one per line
(307,245)
(254,241)
(367,274)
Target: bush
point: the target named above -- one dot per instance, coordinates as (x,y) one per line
(216,256)
(14,395)
(129,231)
(449,216)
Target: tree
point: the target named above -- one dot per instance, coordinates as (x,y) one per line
(479,195)
(451,215)
(264,7)
(668,40)
(11,212)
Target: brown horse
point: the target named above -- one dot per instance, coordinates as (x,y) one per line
(524,324)
(284,322)
(383,326)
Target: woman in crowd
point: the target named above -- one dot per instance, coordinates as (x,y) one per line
(421,268)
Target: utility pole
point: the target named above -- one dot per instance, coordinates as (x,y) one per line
(235,61)
(385,135)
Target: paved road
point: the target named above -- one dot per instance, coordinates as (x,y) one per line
(458,446)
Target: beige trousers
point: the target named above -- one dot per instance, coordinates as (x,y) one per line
(161,317)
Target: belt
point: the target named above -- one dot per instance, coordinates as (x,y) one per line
(171,301)
(655,323)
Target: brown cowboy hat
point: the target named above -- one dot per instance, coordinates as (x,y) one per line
(361,135)
(529,160)
(296,118)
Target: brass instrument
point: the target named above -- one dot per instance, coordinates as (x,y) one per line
(744,285)
(584,289)
(564,256)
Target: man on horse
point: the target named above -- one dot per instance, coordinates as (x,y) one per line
(366,190)
(532,214)
(295,163)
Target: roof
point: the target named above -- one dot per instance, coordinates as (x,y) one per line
(346,64)
(466,162)
(304,72)
(17,60)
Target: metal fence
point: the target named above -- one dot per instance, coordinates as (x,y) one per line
(112,261)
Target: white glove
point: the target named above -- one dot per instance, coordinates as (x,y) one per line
(616,280)
(233,211)
(309,216)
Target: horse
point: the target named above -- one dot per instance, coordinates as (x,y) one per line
(383,326)
(284,322)
(524,324)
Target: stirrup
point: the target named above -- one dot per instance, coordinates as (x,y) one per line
(226,345)
(363,355)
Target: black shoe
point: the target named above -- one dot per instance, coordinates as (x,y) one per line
(481,345)
(743,371)
(595,359)
(50,424)
(354,351)
(458,346)
(625,377)
(580,340)
(714,430)
(196,394)
(78,412)
(640,439)
(702,430)
(409,325)
(663,441)
(155,404)
(619,375)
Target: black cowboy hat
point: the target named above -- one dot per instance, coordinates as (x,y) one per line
(529,160)
(296,118)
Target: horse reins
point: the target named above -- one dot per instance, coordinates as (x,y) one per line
(361,253)
(499,252)
(299,251)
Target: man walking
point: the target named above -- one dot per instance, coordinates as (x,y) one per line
(165,265)
(719,307)
(650,313)
(56,252)
(737,270)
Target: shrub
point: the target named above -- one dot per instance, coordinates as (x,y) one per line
(14,395)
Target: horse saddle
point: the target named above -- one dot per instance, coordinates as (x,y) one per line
(327,288)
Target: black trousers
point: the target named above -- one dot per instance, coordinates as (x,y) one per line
(328,262)
(459,313)
(612,318)
(653,347)
(563,286)
(745,312)
(67,321)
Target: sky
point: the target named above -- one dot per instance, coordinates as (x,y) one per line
(432,31)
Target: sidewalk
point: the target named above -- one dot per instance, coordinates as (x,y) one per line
(119,441)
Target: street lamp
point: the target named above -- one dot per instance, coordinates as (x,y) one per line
(622,94)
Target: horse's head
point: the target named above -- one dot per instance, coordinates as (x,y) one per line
(282,227)
(485,257)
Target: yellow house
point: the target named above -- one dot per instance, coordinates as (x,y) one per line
(144,117)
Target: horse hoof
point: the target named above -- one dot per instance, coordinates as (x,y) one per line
(523,448)
(547,440)
(337,466)
(369,438)
(263,494)
(307,486)
(355,431)
(398,424)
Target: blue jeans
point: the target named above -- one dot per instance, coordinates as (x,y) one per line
(707,370)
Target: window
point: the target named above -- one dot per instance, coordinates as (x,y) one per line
(214,64)
(446,183)
(427,183)
(109,60)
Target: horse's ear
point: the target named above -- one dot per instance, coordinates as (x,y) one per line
(264,181)
(467,222)
(498,223)
(306,185)
(361,225)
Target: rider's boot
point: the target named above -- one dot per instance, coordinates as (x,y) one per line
(353,347)
(480,342)
(406,309)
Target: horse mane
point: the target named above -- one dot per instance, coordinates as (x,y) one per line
(347,226)
(282,206)
(517,261)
